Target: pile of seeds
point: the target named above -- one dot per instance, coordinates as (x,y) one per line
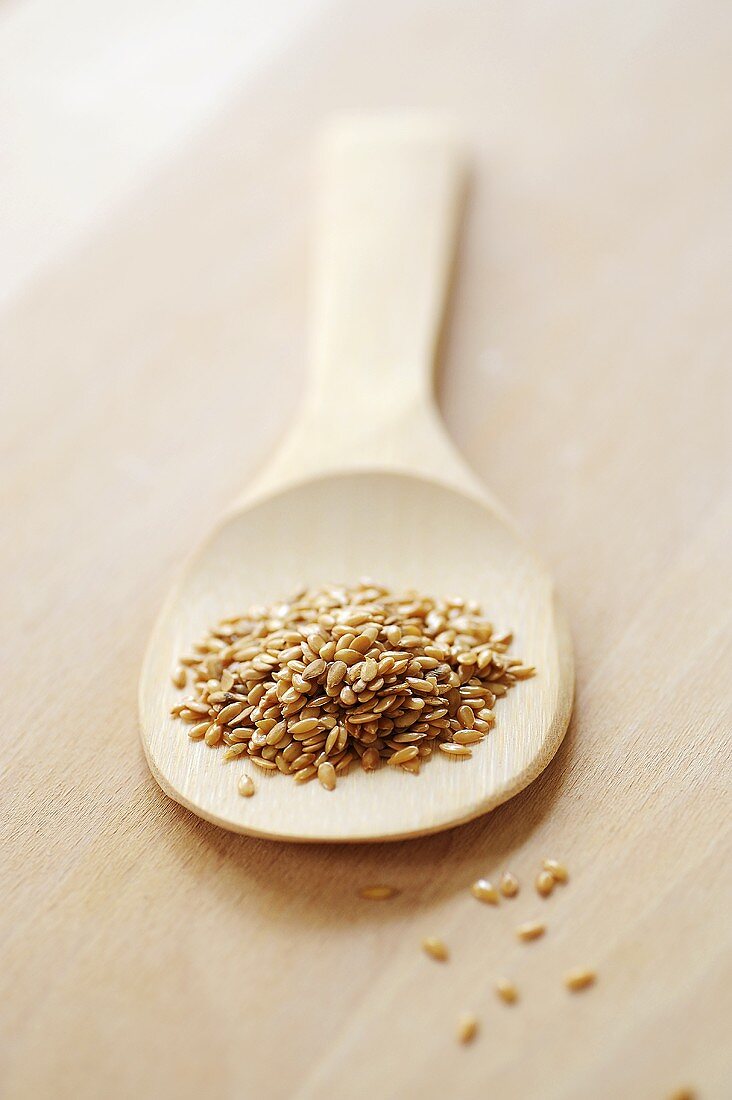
(336,676)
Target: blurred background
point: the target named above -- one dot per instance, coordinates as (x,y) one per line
(156,193)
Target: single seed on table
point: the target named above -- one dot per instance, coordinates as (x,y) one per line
(557,870)
(327,776)
(197,732)
(579,979)
(507,991)
(509,885)
(246,786)
(531,930)
(435,948)
(179,677)
(378,892)
(484,890)
(467,1027)
(544,883)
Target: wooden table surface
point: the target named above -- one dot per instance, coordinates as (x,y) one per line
(150,366)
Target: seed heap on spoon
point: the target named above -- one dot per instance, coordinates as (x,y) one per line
(341,675)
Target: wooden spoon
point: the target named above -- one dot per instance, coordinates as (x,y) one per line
(367,483)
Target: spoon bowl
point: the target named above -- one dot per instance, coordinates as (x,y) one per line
(368,484)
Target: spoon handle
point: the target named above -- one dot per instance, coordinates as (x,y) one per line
(390,199)
(390,192)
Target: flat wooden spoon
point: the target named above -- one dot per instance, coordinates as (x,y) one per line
(367,483)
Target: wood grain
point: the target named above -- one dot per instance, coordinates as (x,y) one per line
(586,376)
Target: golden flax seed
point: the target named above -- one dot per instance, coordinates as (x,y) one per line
(338,674)
(484,890)
(531,930)
(435,948)
(544,883)
(180,677)
(467,1028)
(556,869)
(246,786)
(327,776)
(578,979)
(378,892)
(507,991)
(509,885)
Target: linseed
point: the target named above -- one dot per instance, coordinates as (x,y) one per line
(579,979)
(436,949)
(378,893)
(544,883)
(556,869)
(507,991)
(342,675)
(246,786)
(484,890)
(509,886)
(531,930)
(467,1028)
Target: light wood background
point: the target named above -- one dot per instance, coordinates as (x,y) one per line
(150,361)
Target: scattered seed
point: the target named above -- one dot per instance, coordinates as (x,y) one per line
(579,979)
(506,990)
(509,885)
(483,890)
(246,786)
(544,883)
(531,930)
(180,677)
(467,1028)
(557,870)
(378,893)
(435,948)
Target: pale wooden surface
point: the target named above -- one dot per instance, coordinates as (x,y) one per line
(367,483)
(586,378)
